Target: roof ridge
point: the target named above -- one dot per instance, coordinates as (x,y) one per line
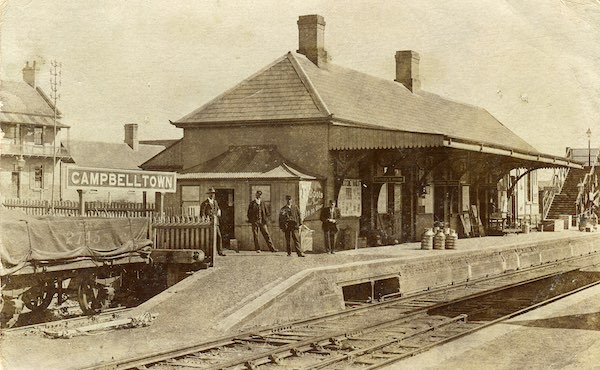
(218,97)
(110,142)
(48,101)
(312,91)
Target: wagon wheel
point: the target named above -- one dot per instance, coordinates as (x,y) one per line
(93,297)
(39,296)
(11,309)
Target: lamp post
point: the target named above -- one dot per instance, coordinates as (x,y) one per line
(589,135)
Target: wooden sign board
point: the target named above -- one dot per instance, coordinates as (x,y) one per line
(478,228)
(390,179)
(466,224)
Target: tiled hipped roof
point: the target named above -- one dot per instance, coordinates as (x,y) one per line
(294,88)
(275,93)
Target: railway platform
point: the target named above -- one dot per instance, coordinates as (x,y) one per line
(248,290)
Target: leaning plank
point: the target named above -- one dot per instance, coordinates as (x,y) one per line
(130,322)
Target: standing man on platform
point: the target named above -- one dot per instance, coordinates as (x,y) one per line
(210,208)
(258,216)
(329,217)
(289,223)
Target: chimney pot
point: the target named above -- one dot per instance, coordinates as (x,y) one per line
(407,69)
(311,38)
(131,136)
(29,74)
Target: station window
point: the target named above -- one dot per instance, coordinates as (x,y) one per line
(38,177)
(11,133)
(38,135)
(190,199)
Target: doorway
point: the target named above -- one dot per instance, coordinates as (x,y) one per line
(225,198)
(446,205)
(389,212)
(16,185)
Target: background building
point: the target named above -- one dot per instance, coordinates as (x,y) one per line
(127,155)
(28,140)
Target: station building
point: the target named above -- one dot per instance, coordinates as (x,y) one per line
(397,158)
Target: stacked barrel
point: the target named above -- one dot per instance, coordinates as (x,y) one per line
(439,240)
(427,239)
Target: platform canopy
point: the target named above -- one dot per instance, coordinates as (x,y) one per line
(246,162)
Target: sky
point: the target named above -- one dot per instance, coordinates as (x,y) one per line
(535,65)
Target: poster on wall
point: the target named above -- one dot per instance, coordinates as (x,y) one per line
(350,198)
(311,198)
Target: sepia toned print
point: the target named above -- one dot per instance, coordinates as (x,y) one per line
(433,165)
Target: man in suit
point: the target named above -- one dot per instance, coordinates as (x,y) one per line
(289,223)
(329,217)
(210,208)
(258,216)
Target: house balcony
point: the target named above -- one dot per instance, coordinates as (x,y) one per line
(30,150)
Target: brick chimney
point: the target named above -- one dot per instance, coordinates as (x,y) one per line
(131,136)
(29,74)
(311,37)
(407,69)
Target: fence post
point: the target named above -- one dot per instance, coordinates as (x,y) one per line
(159,203)
(215,241)
(81,203)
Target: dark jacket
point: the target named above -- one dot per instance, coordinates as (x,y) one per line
(289,217)
(208,210)
(326,215)
(258,213)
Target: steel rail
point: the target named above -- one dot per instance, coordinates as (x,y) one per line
(480,327)
(233,339)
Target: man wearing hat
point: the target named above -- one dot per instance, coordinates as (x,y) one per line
(210,208)
(258,216)
(329,217)
(289,223)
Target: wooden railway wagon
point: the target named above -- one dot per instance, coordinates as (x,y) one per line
(94,260)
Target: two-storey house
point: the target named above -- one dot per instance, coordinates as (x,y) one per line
(31,148)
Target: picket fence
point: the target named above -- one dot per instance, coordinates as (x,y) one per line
(71,208)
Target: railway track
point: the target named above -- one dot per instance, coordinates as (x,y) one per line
(375,335)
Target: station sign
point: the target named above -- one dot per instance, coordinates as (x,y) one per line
(390,179)
(103,178)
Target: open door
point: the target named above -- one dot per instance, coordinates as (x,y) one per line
(225,198)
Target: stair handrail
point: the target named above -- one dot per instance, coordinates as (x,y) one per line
(558,181)
(583,204)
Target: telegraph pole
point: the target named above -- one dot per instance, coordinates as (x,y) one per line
(55,82)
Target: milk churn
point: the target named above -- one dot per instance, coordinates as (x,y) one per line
(439,239)
(451,239)
(427,239)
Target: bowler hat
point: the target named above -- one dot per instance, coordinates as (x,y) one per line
(259,192)
(211,190)
(288,197)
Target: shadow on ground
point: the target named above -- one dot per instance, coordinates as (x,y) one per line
(589,321)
